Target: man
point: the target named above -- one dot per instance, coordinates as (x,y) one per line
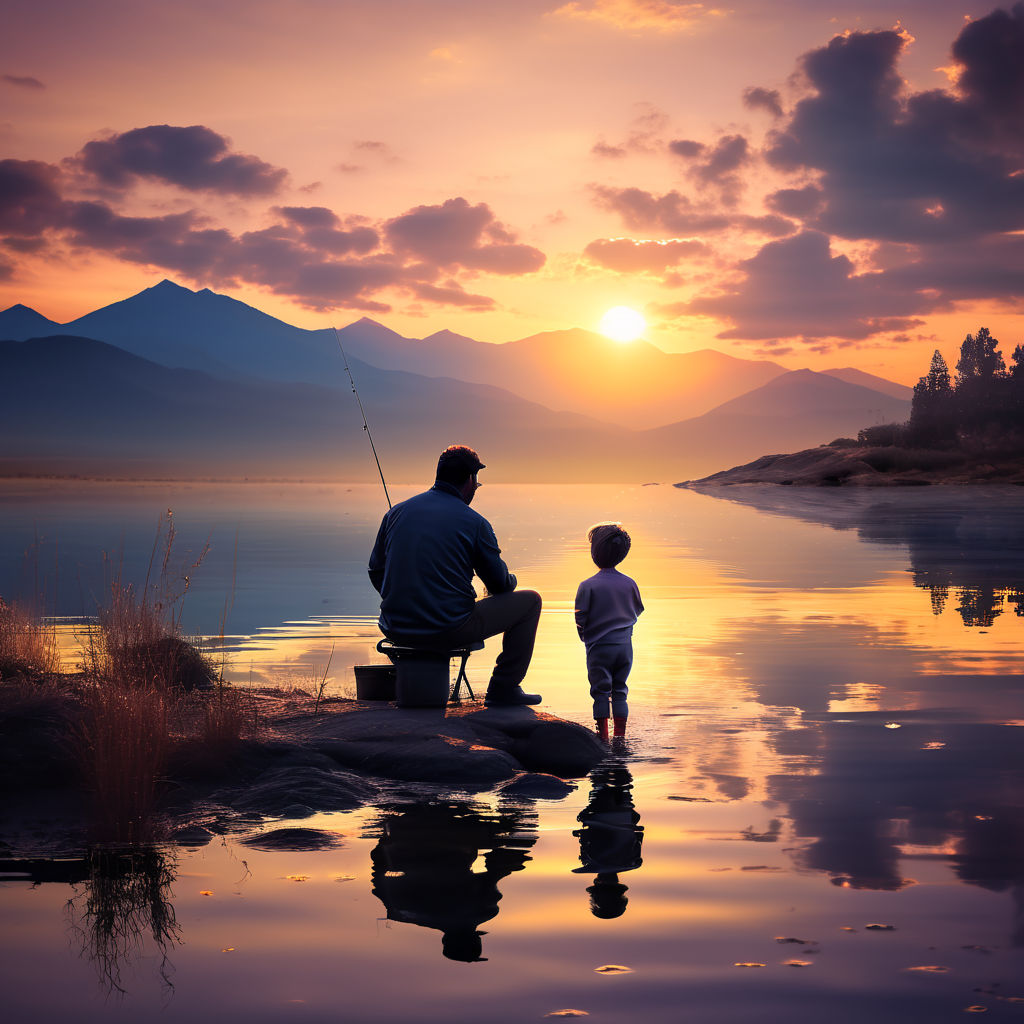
(422,565)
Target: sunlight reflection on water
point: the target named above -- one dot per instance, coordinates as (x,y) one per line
(786,633)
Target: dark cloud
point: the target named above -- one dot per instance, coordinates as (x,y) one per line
(194,158)
(802,203)
(912,167)
(450,293)
(715,165)
(631,256)
(456,234)
(676,214)
(795,287)
(23,81)
(603,149)
(686,148)
(309,254)
(30,200)
(756,98)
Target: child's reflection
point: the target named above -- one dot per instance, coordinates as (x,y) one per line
(610,838)
(425,868)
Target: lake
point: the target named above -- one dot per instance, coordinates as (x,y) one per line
(818,813)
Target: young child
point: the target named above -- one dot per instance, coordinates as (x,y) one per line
(607,606)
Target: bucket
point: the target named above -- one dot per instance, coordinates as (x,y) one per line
(422,680)
(375,682)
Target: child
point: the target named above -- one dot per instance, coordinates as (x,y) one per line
(607,605)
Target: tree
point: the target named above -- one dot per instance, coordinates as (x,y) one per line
(981,384)
(933,412)
(980,359)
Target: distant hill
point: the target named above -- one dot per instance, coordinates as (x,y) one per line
(869,380)
(206,331)
(798,410)
(215,387)
(20,322)
(110,412)
(635,385)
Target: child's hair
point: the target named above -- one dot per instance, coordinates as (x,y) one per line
(609,544)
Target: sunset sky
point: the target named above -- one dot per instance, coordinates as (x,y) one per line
(826,184)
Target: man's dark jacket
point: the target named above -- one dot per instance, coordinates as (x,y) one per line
(422,564)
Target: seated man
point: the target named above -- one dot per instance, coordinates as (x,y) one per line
(422,565)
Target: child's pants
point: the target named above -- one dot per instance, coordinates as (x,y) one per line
(608,668)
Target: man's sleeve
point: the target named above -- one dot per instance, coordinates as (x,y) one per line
(488,564)
(639,603)
(582,608)
(376,566)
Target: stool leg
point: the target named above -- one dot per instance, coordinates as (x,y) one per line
(463,678)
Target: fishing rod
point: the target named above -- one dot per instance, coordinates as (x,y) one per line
(366,426)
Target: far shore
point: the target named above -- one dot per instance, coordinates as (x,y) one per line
(874,466)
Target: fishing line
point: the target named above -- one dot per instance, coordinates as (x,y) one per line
(366,425)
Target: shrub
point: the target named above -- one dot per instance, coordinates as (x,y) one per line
(883,434)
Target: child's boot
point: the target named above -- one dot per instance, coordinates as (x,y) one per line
(620,725)
(602,727)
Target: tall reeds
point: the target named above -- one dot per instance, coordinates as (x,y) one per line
(28,646)
(138,666)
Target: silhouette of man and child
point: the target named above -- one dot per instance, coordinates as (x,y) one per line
(427,551)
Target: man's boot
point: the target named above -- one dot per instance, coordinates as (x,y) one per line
(620,725)
(602,728)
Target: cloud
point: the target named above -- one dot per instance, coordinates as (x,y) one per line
(912,167)
(30,199)
(604,149)
(23,81)
(456,234)
(676,214)
(644,134)
(756,98)
(796,288)
(194,158)
(633,256)
(659,15)
(307,253)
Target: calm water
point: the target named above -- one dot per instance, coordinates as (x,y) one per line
(822,781)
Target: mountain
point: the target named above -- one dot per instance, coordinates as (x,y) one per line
(214,333)
(635,385)
(797,410)
(869,380)
(110,412)
(20,322)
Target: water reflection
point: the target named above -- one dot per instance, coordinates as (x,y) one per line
(610,838)
(427,866)
(966,544)
(122,896)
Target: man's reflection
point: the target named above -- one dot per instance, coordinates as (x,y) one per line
(426,870)
(610,838)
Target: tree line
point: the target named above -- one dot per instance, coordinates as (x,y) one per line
(983,406)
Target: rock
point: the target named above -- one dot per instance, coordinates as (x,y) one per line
(560,748)
(537,786)
(192,836)
(294,839)
(278,791)
(438,758)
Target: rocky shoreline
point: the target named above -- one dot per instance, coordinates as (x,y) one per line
(879,466)
(347,754)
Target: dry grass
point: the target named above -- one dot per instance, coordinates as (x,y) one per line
(28,647)
(124,742)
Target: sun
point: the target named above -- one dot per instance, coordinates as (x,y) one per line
(623,324)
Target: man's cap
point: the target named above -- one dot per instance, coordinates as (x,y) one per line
(459,460)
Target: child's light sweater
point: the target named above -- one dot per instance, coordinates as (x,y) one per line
(607,606)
